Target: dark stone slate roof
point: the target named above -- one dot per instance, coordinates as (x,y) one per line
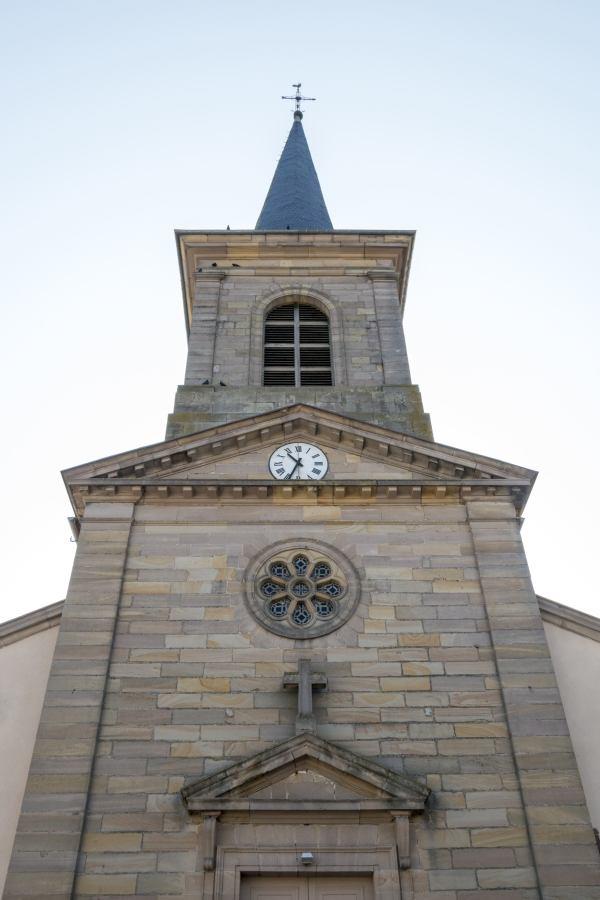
(295,200)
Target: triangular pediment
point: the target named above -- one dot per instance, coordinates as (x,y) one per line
(359,449)
(301,771)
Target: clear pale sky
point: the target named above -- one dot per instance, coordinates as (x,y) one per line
(474,122)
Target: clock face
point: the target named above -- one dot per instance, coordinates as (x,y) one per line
(298,462)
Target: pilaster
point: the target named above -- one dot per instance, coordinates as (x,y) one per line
(203,327)
(561,838)
(394,356)
(46,846)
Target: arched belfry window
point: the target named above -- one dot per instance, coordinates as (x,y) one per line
(297,348)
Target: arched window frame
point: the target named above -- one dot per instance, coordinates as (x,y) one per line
(296,294)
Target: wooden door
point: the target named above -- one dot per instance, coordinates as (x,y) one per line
(273,887)
(307,887)
(339,887)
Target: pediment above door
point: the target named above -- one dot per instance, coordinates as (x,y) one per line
(306,779)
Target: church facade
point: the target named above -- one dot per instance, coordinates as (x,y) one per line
(301,655)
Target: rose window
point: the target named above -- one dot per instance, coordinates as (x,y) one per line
(302,592)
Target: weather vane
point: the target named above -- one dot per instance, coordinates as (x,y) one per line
(298,98)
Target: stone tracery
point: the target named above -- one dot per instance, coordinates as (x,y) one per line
(301,591)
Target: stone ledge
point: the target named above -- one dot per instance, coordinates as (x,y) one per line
(94,490)
(570,619)
(397,408)
(31,623)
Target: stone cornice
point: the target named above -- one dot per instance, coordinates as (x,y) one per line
(382,275)
(353,491)
(437,471)
(426,458)
(31,623)
(267,252)
(210,275)
(570,619)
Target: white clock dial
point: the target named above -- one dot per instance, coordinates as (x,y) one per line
(298,462)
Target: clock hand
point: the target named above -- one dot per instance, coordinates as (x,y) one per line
(289,475)
(291,457)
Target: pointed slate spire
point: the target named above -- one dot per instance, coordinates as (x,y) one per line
(295,200)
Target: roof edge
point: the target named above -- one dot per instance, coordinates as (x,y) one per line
(570,619)
(276,416)
(290,231)
(184,237)
(31,623)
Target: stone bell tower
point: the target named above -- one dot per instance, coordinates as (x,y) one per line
(301,656)
(352,283)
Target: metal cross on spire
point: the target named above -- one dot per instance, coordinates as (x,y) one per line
(298,98)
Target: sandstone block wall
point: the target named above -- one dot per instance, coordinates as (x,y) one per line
(55,804)
(203,406)
(443,674)
(228,318)
(371,374)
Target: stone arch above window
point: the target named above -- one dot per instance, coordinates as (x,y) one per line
(314,311)
(297,346)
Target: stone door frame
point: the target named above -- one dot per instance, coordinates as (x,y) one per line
(368,831)
(234,862)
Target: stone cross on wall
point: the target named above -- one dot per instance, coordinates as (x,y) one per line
(305,681)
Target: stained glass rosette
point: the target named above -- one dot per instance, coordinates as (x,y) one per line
(301,588)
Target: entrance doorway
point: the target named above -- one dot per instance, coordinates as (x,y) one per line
(306,887)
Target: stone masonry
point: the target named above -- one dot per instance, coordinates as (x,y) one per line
(203,406)
(441,677)
(231,279)
(443,674)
